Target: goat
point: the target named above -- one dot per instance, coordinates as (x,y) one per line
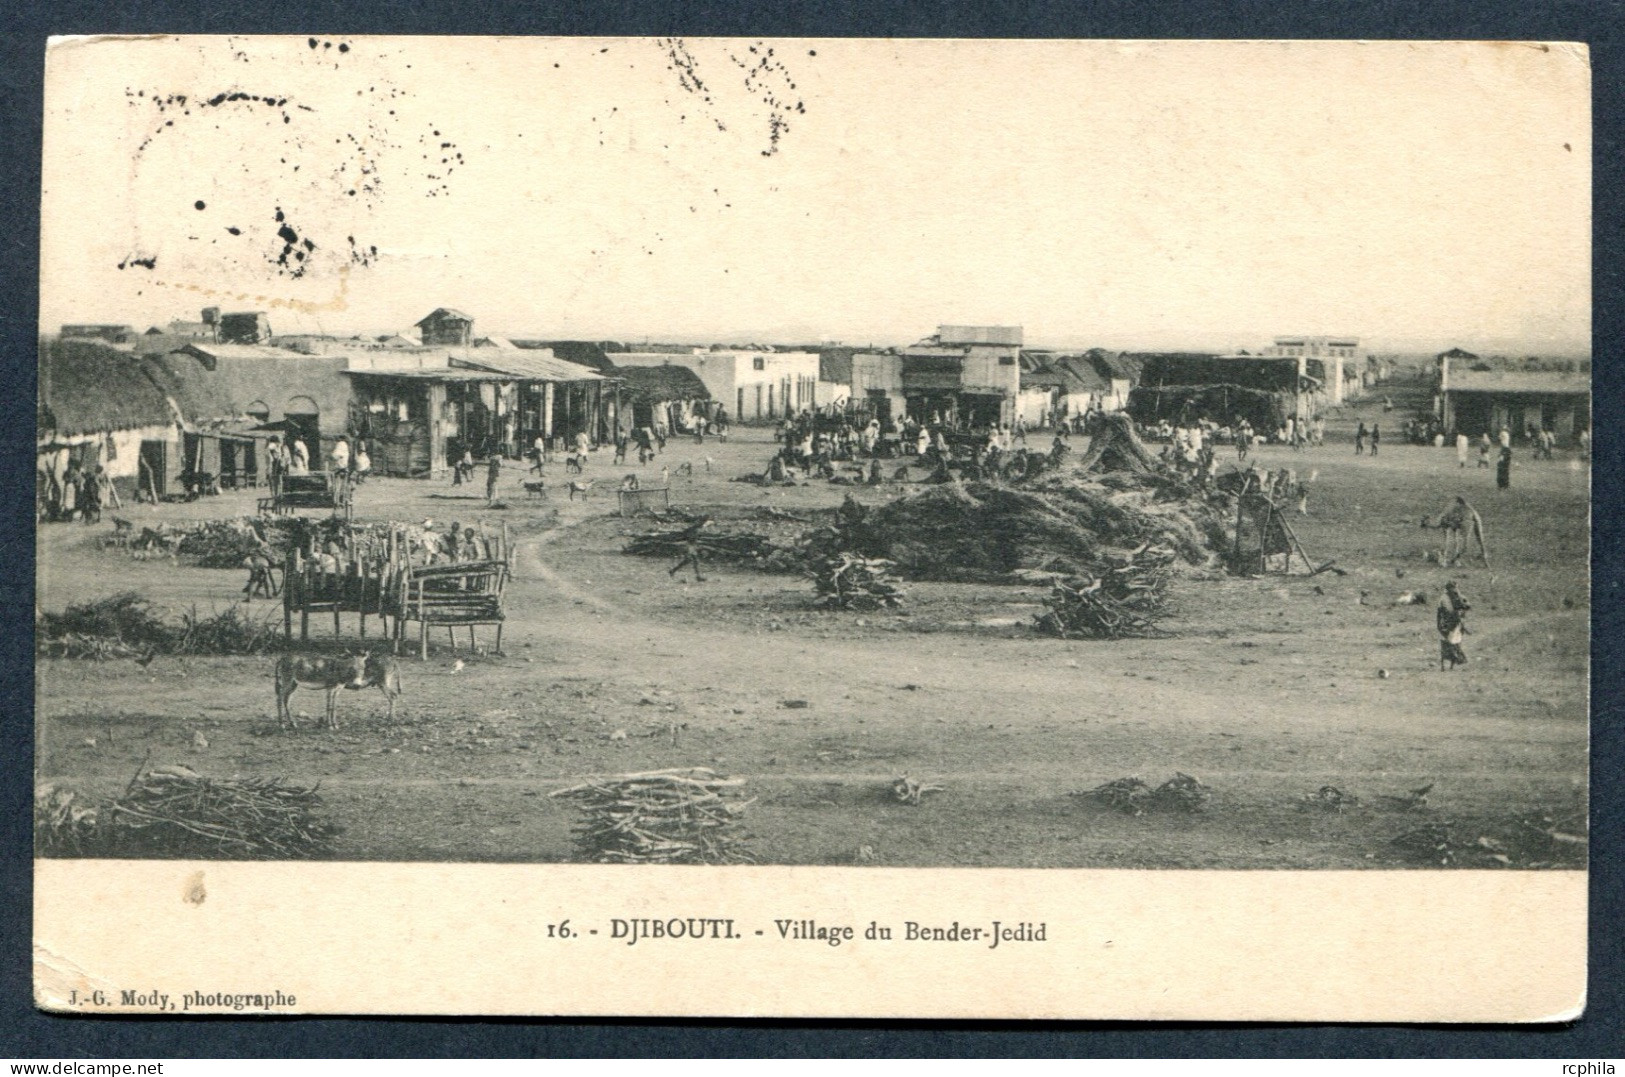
(630,483)
(535,488)
(582,488)
(686,469)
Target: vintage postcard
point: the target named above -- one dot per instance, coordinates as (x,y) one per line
(849,528)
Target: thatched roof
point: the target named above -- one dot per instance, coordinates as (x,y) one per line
(87,387)
(659,384)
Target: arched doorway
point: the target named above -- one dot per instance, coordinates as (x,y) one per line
(303,417)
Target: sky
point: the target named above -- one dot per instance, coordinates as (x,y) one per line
(1206,195)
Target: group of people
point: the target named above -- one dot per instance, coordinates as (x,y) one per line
(77,493)
(346,466)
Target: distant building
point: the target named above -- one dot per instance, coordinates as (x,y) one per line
(755,385)
(1475,402)
(969,375)
(1057,387)
(1264,390)
(1328,356)
(244,327)
(446,327)
(112,334)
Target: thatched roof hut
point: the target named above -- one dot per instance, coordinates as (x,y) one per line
(87,387)
(662,384)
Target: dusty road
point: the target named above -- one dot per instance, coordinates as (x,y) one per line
(1269,690)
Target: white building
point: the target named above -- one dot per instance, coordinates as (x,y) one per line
(1327,355)
(755,386)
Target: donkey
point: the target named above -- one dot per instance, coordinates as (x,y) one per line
(351,671)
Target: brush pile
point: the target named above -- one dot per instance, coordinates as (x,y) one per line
(1131,796)
(1124,599)
(1065,522)
(1538,842)
(172,811)
(125,626)
(64,822)
(225,543)
(845,581)
(685,816)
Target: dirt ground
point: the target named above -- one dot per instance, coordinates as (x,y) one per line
(1270,689)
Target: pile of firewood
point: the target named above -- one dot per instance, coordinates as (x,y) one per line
(1124,598)
(174,811)
(845,581)
(685,816)
(721,547)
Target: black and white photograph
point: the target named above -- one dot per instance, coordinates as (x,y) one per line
(873,457)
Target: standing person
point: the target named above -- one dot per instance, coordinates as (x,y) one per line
(275,465)
(339,459)
(493,475)
(363,462)
(1504,437)
(338,462)
(582,443)
(1461,449)
(299,461)
(1376,438)
(538,453)
(90,500)
(1359,440)
(1503,470)
(1451,621)
(1484,449)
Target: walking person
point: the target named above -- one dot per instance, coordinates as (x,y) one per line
(1359,440)
(1451,622)
(1503,470)
(690,539)
(1376,438)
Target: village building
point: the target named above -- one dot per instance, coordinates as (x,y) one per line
(1054,388)
(756,385)
(98,405)
(235,397)
(1330,359)
(1224,389)
(666,398)
(1474,399)
(446,327)
(421,409)
(1120,372)
(968,375)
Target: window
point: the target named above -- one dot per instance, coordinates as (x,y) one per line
(758,363)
